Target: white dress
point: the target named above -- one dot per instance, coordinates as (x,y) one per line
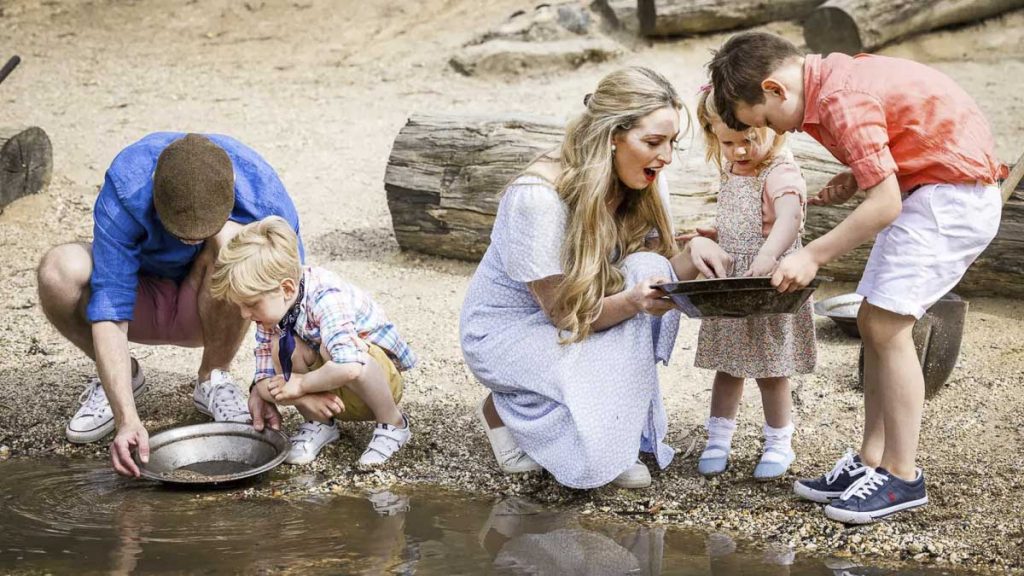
(583,411)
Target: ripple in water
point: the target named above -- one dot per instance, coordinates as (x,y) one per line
(67,516)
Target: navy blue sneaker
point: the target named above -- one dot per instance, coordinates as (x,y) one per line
(823,490)
(876,495)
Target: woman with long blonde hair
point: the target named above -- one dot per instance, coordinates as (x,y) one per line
(562,320)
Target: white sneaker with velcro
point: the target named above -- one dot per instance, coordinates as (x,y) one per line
(309,440)
(387,440)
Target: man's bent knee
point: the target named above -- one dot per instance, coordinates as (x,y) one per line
(63,274)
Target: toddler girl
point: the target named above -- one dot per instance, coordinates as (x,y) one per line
(759,219)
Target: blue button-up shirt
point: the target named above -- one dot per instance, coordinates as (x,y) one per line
(128,238)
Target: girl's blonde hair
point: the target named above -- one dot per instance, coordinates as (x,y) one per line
(707,115)
(257,260)
(587,179)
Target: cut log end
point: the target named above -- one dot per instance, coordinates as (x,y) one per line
(26,163)
(829,29)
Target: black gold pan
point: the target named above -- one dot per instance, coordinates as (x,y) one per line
(735,297)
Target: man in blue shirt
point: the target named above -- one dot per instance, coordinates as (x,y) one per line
(168,203)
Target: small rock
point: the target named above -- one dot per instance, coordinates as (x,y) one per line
(5,452)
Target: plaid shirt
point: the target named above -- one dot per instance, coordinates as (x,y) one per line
(882,116)
(342,318)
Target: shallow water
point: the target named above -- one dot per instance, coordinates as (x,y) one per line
(64,516)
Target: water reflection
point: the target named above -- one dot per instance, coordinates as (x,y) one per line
(62,516)
(523,537)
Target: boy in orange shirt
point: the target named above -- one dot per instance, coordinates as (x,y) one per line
(923,153)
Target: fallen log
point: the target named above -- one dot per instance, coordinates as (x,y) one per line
(621,13)
(446,173)
(678,17)
(445,177)
(853,26)
(503,57)
(26,162)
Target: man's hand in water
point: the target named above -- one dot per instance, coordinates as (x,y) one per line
(131,435)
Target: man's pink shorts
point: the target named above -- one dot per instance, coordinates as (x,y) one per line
(166,312)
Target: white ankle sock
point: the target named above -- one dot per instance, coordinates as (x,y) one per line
(720,431)
(779,441)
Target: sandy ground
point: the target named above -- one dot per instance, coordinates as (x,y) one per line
(320,89)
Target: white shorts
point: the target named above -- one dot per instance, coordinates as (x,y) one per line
(923,254)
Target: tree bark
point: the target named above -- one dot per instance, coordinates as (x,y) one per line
(26,162)
(446,174)
(853,26)
(677,17)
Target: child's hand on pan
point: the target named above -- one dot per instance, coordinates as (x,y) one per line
(709,258)
(763,265)
(794,272)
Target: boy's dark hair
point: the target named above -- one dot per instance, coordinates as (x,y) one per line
(739,67)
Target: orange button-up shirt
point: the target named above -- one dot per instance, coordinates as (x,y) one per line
(882,116)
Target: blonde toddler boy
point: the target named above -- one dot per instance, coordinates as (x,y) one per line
(322,345)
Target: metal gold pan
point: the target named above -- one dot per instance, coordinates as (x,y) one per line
(213,453)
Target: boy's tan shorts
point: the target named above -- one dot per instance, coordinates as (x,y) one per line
(355,409)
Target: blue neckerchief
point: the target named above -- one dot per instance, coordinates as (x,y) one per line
(286,344)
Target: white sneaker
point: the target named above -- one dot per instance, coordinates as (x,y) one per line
(220,398)
(386,440)
(636,476)
(95,419)
(511,459)
(310,440)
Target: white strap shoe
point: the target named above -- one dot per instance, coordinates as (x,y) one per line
(386,440)
(309,440)
(511,459)
(636,476)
